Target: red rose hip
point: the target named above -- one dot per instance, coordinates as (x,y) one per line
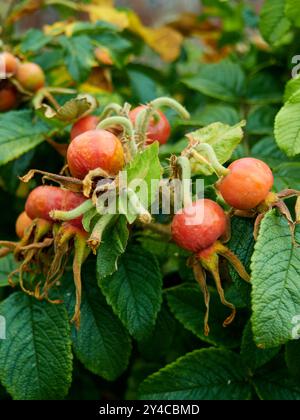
(87,123)
(42,200)
(159,128)
(247,184)
(199,226)
(95,149)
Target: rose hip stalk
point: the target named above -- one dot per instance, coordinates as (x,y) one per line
(198,228)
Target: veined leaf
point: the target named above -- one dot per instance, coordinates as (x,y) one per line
(287,127)
(208,374)
(252,355)
(36,357)
(273,22)
(102,344)
(275,275)
(19,133)
(273,383)
(224,81)
(187,305)
(113,245)
(135,291)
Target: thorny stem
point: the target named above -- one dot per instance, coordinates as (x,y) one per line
(72,214)
(219,169)
(97,233)
(185,167)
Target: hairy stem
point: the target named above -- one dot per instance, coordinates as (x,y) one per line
(219,169)
(72,214)
(97,233)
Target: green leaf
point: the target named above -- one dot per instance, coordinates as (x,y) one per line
(292,88)
(7,266)
(242,244)
(144,167)
(273,22)
(292,355)
(36,357)
(10,172)
(187,305)
(252,355)
(34,40)
(292,8)
(267,150)
(287,175)
(135,291)
(275,274)
(19,133)
(224,81)
(273,383)
(144,88)
(225,114)
(118,45)
(102,344)
(287,127)
(208,374)
(159,342)
(113,245)
(261,120)
(79,56)
(263,88)
(223,138)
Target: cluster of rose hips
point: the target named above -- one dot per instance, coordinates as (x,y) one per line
(52,225)
(19,79)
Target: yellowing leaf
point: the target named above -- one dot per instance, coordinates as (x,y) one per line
(165,41)
(59,28)
(108,14)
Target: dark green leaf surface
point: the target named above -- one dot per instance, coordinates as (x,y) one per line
(209,374)
(275,275)
(135,291)
(19,133)
(102,344)
(113,245)
(187,305)
(35,358)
